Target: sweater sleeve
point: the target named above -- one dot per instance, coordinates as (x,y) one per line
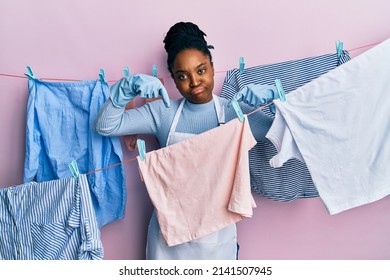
(113,121)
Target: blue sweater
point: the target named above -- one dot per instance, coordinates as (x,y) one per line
(154,118)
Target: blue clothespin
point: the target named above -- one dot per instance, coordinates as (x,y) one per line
(281,93)
(237,108)
(242,65)
(141,149)
(74,169)
(126,71)
(102,76)
(339,48)
(30,73)
(154,70)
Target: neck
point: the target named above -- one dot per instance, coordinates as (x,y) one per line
(199,106)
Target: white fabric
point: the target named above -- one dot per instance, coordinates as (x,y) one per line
(339,124)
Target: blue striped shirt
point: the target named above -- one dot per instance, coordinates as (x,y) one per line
(52,220)
(292,180)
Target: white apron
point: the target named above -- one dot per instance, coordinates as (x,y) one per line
(220,245)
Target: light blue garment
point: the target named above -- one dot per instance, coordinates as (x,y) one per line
(53,220)
(60,120)
(156,119)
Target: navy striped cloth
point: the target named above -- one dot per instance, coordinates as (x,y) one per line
(292,180)
(52,220)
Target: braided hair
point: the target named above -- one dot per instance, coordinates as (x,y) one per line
(185,35)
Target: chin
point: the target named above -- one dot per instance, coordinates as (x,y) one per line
(199,99)
(204,98)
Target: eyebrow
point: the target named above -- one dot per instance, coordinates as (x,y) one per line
(183,71)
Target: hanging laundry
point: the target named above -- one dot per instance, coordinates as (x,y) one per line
(201,185)
(339,124)
(60,122)
(52,220)
(293,180)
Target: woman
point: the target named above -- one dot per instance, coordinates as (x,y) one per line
(191,66)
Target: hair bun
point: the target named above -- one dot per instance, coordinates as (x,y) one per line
(183,31)
(182,36)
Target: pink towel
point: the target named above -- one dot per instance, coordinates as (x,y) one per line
(202,184)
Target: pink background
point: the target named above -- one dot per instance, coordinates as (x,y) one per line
(73,39)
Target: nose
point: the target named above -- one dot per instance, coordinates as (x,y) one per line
(194,81)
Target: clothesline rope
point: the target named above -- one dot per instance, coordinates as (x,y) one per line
(133,159)
(162,77)
(365,46)
(111,166)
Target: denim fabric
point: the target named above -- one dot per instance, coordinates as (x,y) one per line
(60,121)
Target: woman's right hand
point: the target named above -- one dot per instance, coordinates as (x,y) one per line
(127,88)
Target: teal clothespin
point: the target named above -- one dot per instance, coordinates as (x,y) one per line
(237,108)
(242,65)
(30,73)
(281,93)
(126,71)
(339,48)
(141,149)
(102,76)
(74,169)
(154,70)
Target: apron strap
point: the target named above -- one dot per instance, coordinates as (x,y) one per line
(175,120)
(220,111)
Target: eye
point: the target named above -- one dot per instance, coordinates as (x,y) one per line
(201,71)
(182,77)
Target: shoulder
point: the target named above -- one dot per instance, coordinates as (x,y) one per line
(229,111)
(223,101)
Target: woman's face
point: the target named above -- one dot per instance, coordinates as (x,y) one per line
(194,76)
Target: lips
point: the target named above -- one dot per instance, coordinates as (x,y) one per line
(198,91)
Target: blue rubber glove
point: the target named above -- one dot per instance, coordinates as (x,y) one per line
(126,89)
(256,95)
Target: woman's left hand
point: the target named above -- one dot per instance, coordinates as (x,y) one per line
(256,95)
